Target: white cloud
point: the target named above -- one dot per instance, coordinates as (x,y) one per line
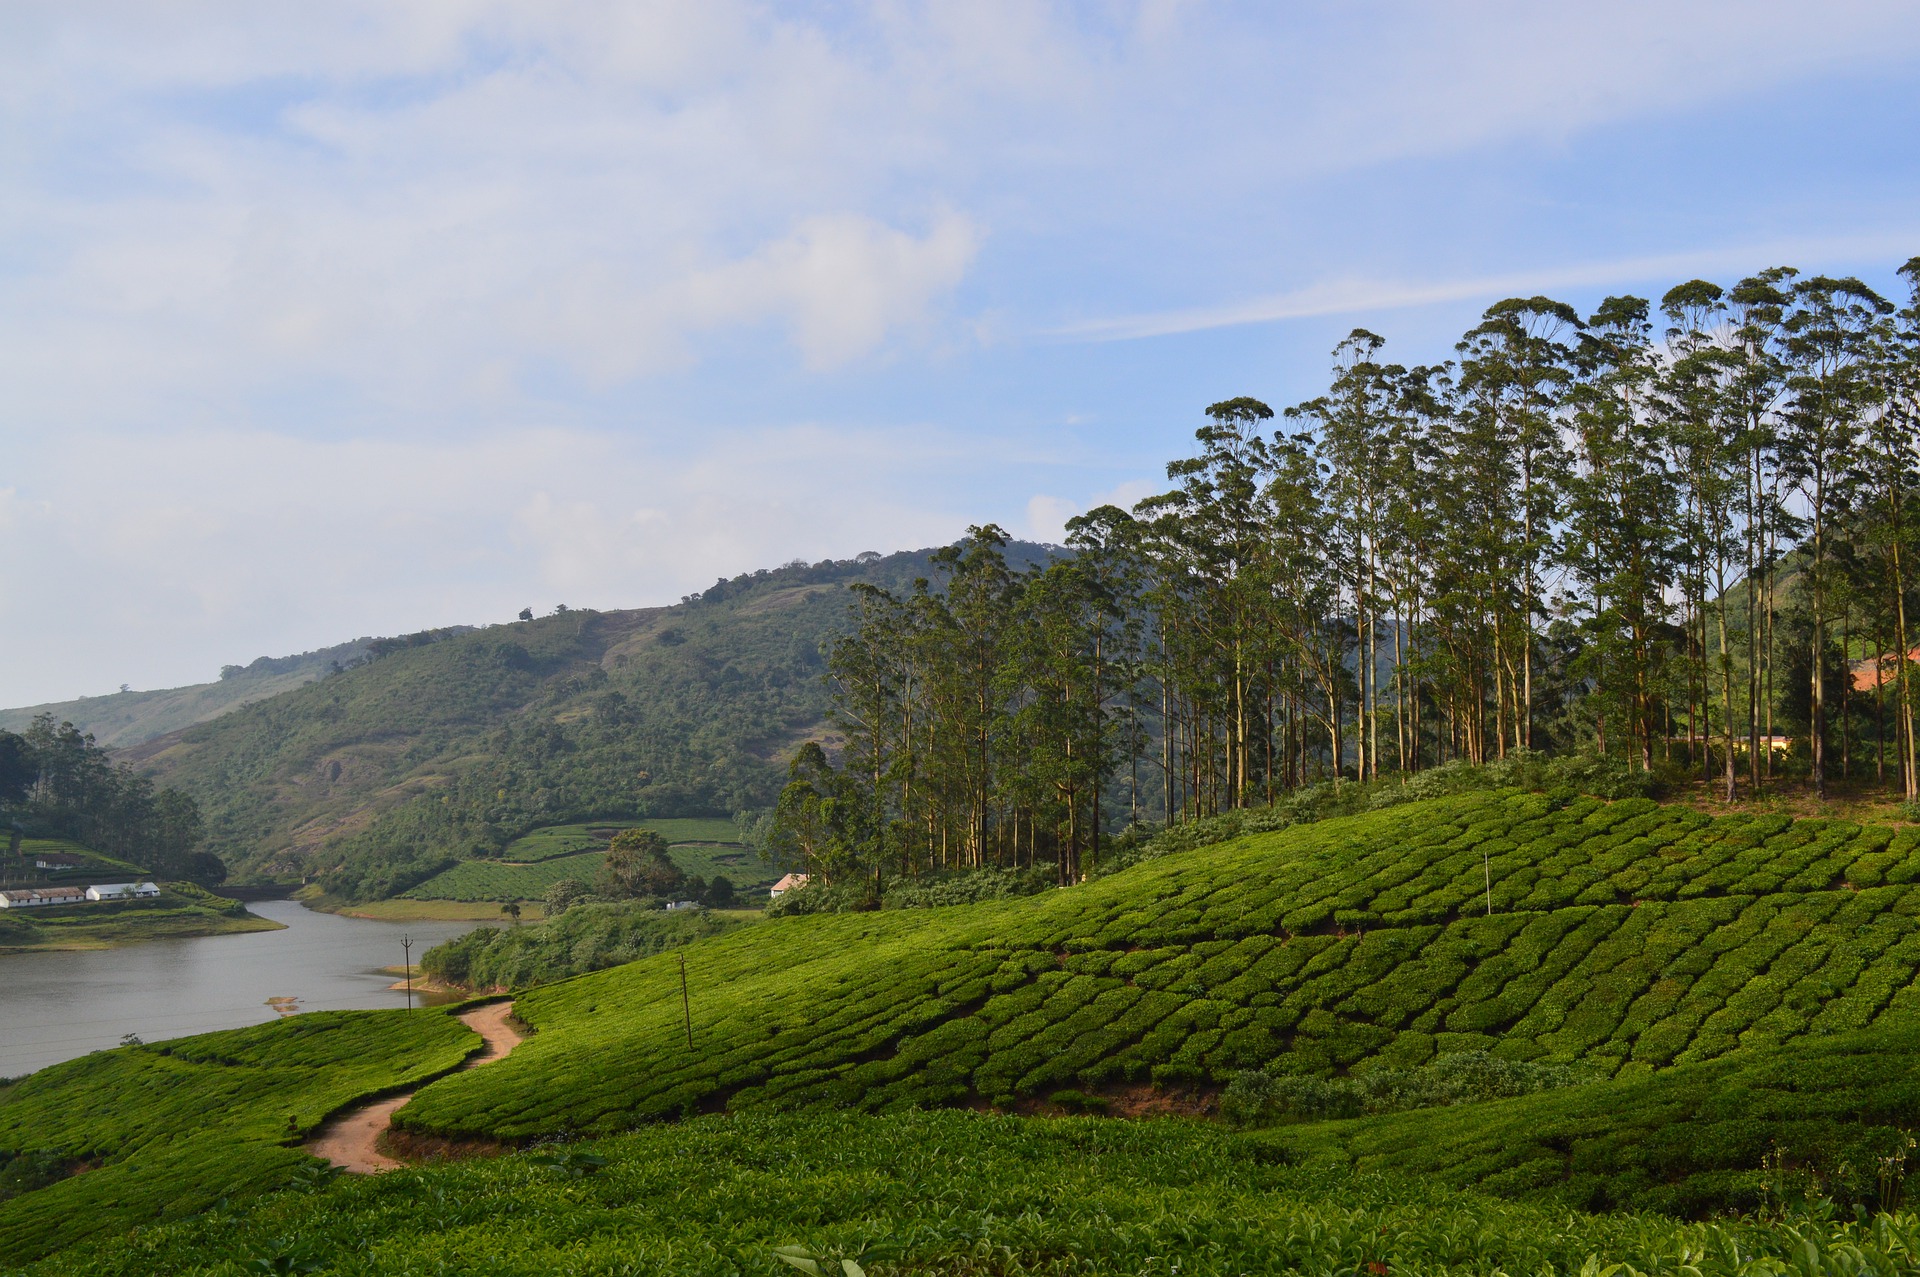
(368,316)
(1349,296)
(1047,516)
(170,554)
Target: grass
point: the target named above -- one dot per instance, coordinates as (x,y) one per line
(948,1193)
(164,1131)
(1626,937)
(407,909)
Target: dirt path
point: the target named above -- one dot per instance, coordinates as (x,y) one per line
(352,1140)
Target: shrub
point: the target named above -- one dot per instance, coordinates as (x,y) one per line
(1461,1077)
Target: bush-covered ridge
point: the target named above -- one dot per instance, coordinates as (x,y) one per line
(950,1193)
(168,1130)
(1626,936)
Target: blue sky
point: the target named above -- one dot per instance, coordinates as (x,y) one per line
(328,320)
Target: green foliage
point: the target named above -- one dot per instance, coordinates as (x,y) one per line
(930,891)
(637,864)
(1830,1114)
(58,782)
(1624,937)
(490,880)
(1591,774)
(511,728)
(586,937)
(170,1129)
(959,1193)
(1461,1077)
(566,840)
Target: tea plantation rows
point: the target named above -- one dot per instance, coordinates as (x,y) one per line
(1690,1140)
(476,880)
(167,1130)
(566,840)
(950,1193)
(1624,936)
(489,880)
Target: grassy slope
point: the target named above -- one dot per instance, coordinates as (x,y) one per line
(124,719)
(170,1129)
(436,750)
(1629,936)
(952,1193)
(1687,1140)
(536,861)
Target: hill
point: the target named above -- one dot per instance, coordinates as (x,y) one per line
(1625,936)
(453,745)
(947,1193)
(1738,991)
(123,719)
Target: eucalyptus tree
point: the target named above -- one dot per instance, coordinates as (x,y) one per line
(1886,475)
(1619,530)
(1513,368)
(1706,425)
(1207,536)
(1757,311)
(1829,334)
(1355,425)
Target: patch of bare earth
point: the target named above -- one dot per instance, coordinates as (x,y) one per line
(362,1140)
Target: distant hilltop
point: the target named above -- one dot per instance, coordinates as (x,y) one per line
(122,719)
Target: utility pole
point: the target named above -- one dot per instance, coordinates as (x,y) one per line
(406,948)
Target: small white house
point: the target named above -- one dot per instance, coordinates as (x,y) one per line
(123,891)
(38,897)
(787,884)
(56,862)
(674,905)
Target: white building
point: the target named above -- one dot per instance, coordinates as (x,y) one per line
(787,884)
(123,891)
(39,897)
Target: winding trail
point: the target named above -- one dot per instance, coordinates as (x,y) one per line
(351,1141)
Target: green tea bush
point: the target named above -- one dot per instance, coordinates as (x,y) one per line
(479,880)
(1624,937)
(1256,1097)
(585,938)
(956,1193)
(169,1129)
(1835,1111)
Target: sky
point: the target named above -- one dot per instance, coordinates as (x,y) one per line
(321,321)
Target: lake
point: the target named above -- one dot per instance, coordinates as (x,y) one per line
(55,1006)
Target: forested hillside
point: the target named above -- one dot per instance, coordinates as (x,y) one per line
(450,744)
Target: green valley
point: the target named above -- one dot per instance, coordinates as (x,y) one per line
(451,745)
(1729,1004)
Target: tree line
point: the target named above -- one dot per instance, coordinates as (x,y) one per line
(1680,535)
(55,781)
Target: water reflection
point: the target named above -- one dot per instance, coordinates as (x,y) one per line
(54,1006)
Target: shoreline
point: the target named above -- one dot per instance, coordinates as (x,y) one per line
(102,934)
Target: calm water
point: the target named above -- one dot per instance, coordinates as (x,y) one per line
(54,1006)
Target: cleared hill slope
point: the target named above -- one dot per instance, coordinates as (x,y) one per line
(1625,936)
(380,776)
(124,719)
